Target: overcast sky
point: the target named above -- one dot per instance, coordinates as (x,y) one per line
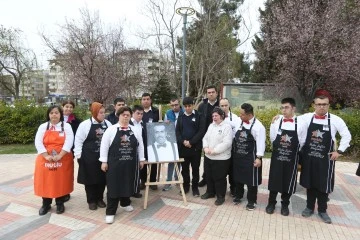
(33,16)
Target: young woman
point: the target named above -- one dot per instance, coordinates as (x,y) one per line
(54,167)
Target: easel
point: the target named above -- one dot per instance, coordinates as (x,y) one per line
(158,180)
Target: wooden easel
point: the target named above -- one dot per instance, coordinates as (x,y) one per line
(159,180)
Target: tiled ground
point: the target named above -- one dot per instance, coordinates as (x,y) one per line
(166,216)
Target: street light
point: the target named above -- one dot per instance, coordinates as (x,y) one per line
(184,12)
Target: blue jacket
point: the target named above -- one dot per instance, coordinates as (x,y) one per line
(170,115)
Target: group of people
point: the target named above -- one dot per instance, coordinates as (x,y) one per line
(111,152)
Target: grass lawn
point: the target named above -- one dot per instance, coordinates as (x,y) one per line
(17,148)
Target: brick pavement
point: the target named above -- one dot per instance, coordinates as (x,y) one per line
(167,217)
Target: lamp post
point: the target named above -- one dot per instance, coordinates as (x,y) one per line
(184,12)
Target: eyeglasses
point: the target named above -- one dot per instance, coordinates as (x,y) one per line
(174,105)
(284,107)
(224,105)
(321,105)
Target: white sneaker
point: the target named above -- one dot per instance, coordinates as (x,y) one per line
(109,219)
(128,208)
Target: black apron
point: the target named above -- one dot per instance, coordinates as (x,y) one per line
(317,170)
(284,160)
(123,164)
(244,155)
(89,165)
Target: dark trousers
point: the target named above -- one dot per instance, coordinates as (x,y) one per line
(113,203)
(251,193)
(194,161)
(143,173)
(216,171)
(312,194)
(230,177)
(285,198)
(48,201)
(94,192)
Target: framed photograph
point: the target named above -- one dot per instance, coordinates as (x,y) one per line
(161,139)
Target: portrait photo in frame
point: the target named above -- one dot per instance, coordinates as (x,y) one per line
(162,145)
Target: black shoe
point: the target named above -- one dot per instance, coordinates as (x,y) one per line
(142,186)
(307,212)
(236,201)
(195,192)
(270,208)
(137,195)
(285,210)
(325,217)
(60,208)
(101,204)
(44,209)
(250,206)
(153,187)
(202,183)
(92,206)
(207,195)
(66,198)
(219,201)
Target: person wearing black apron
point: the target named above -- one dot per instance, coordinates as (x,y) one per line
(87,152)
(248,150)
(287,136)
(319,155)
(120,152)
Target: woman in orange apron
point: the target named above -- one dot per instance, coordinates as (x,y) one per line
(54,167)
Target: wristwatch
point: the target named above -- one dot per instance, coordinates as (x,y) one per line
(339,152)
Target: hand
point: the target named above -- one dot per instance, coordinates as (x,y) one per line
(275,118)
(104,167)
(49,158)
(206,150)
(57,158)
(257,163)
(141,165)
(335,155)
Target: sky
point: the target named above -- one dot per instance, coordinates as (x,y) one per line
(35,16)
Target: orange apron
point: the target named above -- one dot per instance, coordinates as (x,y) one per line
(54,179)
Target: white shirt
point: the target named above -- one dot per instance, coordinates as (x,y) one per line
(301,129)
(69,137)
(219,138)
(234,122)
(109,136)
(164,154)
(337,125)
(82,133)
(259,133)
(137,125)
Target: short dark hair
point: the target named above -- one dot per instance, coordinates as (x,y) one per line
(68,102)
(289,100)
(146,95)
(174,99)
(211,86)
(51,108)
(137,108)
(219,111)
(248,108)
(119,99)
(122,110)
(188,101)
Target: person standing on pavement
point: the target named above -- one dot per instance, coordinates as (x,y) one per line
(121,154)
(287,135)
(217,148)
(151,114)
(248,150)
(205,109)
(171,116)
(54,167)
(190,129)
(118,103)
(234,122)
(87,152)
(319,155)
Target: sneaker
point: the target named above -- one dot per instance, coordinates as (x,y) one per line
(207,195)
(250,206)
(219,201)
(167,187)
(128,208)
(307,212)
(270,208)
(285,210)
(109,219)
(325,217)
(236,201)
(202,183)
(195,192)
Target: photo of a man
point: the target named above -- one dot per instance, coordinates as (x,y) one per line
(162,142)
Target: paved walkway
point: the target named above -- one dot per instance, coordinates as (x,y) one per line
(167,217)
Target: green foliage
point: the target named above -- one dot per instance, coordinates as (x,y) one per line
(162,92)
